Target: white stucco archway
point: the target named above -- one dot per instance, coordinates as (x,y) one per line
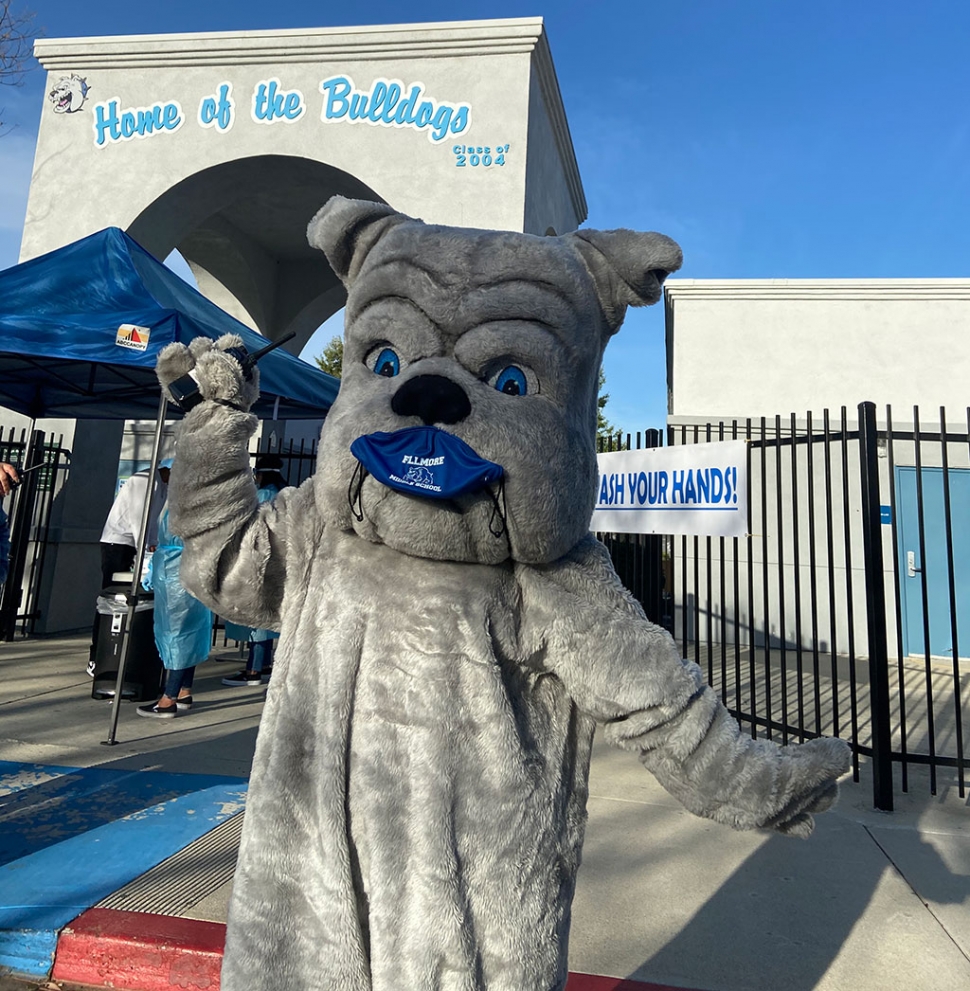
(241,226)
(224,145)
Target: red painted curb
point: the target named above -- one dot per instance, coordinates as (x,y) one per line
(137,951)
(589,982)
(141,952)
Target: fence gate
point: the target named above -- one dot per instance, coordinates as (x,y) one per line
(846,608)
(44,459)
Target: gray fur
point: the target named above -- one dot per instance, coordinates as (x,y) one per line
(417,802)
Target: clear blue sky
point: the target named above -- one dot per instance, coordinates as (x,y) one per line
(772,139)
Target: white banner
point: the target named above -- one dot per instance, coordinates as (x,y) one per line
(693,489)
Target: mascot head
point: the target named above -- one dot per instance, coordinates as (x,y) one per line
(477,347)
(68,94)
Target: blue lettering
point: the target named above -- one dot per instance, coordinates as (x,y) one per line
(604,494)
(678,487)
(389,102)
(618,482)
(358,106)
(440,122)
(207,110)
(171,117)
(411,101)
(107,123)
(272,103)
(378,96)
(260,111)
(663,487)
(703,485)
(337,90)
(717,484)
(393,95)
(148,120)
(293,105)
(424,114)
(112,124)
(224,111)
(460,120)
(690,493)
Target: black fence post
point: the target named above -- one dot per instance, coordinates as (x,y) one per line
(653,567)
(21,524)
(882,769)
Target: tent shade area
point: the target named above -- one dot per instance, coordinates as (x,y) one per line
(81,328)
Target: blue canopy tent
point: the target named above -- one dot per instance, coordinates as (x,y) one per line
(66,349)
(80,331)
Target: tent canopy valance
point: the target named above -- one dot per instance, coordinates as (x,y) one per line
(82,326)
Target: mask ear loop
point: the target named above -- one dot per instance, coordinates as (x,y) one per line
(500,510)
(356,504)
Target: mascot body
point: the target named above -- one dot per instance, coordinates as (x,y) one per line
(417,800)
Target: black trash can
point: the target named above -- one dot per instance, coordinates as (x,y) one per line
(143,672)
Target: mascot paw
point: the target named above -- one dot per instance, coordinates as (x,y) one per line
(219,375)
(816,767)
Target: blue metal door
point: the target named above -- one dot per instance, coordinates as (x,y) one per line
(912,565)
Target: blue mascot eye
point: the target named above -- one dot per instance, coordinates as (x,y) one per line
(388,364)
(512,381)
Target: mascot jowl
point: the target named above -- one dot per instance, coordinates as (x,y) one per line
(451,633)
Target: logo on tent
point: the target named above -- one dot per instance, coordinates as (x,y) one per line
(132,336)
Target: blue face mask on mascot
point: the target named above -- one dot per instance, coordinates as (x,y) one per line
(423,461)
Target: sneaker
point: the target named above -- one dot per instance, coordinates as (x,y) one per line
(184,703)
(153,711)
(244,678)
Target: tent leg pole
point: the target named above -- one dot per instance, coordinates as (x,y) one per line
(136,576)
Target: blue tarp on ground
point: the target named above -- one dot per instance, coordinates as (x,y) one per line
(62,352)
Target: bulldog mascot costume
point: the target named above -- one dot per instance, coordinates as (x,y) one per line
(451,633)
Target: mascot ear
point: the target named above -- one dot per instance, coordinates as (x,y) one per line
(345,231)
(628,267)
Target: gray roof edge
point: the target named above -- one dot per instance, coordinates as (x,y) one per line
(545,71)
(435,39)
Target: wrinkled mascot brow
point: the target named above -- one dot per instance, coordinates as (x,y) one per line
(451,633)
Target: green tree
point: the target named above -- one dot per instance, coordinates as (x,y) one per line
(603,426)
(332,359)
(16,43)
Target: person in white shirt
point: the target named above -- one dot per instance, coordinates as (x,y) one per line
(119,538)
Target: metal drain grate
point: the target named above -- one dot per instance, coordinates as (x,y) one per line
(181,882)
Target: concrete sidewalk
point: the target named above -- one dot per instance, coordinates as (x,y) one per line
(871,901)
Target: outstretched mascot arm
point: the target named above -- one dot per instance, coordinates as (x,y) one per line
(235,548)
(627,673)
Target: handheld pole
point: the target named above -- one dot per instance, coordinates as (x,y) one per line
(132,595)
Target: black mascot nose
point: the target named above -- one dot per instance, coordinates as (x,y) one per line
(434,398)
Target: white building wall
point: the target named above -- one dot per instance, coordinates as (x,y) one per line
(79,187)
(750,349)
(764,347)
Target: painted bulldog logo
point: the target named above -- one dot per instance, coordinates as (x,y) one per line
(69,94)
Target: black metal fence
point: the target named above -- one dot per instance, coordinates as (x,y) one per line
(30,519)
(299,458)
(843,610)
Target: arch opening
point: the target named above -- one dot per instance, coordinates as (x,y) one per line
(241,227)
